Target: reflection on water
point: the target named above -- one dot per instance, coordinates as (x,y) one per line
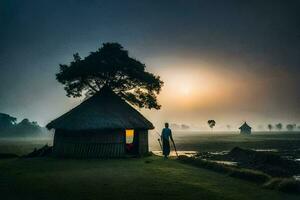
(266,150)
(219,153)
(297,177)
(224,162)
(180,153)
(194,153)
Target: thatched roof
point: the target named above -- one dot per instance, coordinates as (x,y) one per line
(245,126)
(104,110)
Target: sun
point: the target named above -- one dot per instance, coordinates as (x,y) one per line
(185,90)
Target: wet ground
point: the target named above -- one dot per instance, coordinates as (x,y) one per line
(286,145)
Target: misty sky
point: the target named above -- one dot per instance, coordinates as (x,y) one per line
(232,61)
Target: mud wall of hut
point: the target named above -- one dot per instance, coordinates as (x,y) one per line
(89,144)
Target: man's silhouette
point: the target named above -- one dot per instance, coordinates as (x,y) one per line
(165,136)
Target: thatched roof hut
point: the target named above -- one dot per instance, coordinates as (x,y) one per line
(245,129)
(96,128)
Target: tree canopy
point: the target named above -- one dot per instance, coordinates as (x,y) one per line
(290,127)
(270,127)
(111,66)
(10,128)
(211,123)
(279,126)
(6,121)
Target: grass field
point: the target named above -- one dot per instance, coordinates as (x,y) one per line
(287,143)
(21,146)
(185,141)
(147,178)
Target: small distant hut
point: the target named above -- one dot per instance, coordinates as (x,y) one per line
(97,129)
(245,129)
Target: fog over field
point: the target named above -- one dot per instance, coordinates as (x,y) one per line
(241,64)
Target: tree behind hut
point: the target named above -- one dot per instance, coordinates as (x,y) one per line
(111,66)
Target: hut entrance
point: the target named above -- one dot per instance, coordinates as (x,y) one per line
(131,144)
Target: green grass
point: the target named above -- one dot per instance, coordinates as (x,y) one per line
(146,178)
(21,146)
(284,184)
(185,141)
(193,141)
(245,174)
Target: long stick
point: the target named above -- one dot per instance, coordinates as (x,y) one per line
(157,134)
(159,140)
(175,148)
(160,144)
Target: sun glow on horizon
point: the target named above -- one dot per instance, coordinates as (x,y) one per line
(200,86)
(187,88)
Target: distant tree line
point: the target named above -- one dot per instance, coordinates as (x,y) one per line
(271,127)
(280,126)
(179,126)
(10,128)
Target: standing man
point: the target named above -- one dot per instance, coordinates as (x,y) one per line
(165,136)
